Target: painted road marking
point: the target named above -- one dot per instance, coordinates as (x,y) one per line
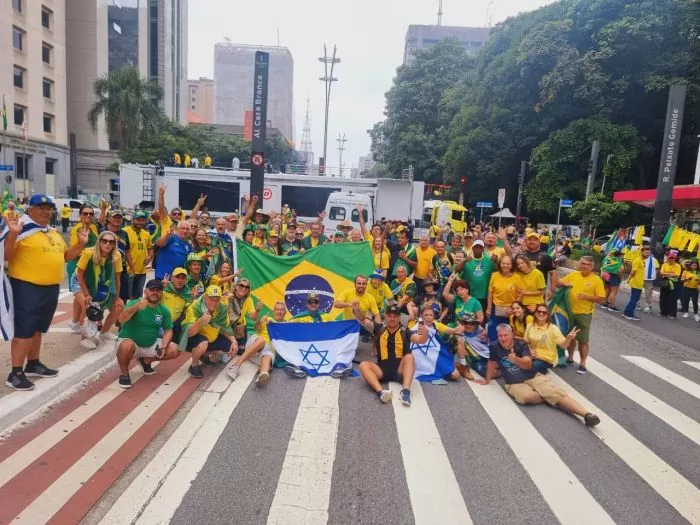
(694,364)
(432,485)
(667,375)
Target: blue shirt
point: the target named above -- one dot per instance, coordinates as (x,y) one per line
(172,255)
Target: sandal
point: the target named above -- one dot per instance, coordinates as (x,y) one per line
(464,371)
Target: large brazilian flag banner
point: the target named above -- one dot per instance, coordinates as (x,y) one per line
(326,270)
(561,316)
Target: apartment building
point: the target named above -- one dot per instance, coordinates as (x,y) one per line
(200,101)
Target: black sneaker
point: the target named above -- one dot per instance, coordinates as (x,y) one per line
(19,381)
(581,370)
(147,368)
(196,372)
(39,370)
(295,372)
(341,373)
(125,381)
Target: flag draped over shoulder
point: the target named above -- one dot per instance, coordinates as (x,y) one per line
(433,358)
(317,348)
(326,270)
(561,316)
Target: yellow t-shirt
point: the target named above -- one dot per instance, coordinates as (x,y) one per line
(424,258)
(86,255)
(65,212)
(544,239)
(208,331)
(381,260)
(207,161)
(325,318)
(673,268)
(174,303)
(216,280)
(531,282)
(693,281)
(247,308)
(439,327)
(591,285)
(367,303)
(504,289)
(11,215)
(499,251)
(638,268)
(381,295)
(74,233)
(139,244)
(544,340)
(263,328)
(39,259)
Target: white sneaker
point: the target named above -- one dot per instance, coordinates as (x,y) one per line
(88,344)
(647,309)
(74,327)
(384,396)
(108,336)
(697,318)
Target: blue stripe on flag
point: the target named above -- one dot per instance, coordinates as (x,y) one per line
(312,332)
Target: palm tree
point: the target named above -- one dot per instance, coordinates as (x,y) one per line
(129,103)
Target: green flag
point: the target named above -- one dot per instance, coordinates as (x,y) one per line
(667,237)
(4,114)
(561,316)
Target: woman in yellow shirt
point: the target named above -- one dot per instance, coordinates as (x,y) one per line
(530,283)
(543,338)
(670,276)
(224,278)
(381,255)
(691,283)
(502,292)
(519,320)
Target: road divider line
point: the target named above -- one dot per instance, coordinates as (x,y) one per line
(304,486)
(558,485)
(665,412)
(667,375)
(155,495)
(694,364)
(662,477)
(52,499)
(432,485)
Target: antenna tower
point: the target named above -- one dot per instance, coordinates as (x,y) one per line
(341,147)
(306,148)
(440,13)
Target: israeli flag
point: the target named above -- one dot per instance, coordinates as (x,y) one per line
(433,358)
(317,348)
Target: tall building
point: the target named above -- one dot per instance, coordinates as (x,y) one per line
(33,87)
(234,66)
(200,101)
(365,165)
(425,36)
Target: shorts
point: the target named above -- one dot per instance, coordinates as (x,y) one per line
(220,344)
(390,372)
(266,350)
(614,280)
(141,351)
(583,323)
(551,393)
(34,307)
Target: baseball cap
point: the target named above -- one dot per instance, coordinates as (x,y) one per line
(532,234)
(274,233)
(478,242)
(312,295)
(140,214)
(179,271)
(393,309)
(292,225)
(154,284)
(672,254)
(261,211)
(39,199)
(377,274)
(115,213)
(469,318)
(339,233)
(213,291)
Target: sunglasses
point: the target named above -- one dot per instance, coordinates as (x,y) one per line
(108,241)
(544,312)
(176,213)
(244,286)
(313,301)
(88,213)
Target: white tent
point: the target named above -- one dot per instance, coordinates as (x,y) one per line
(505,213)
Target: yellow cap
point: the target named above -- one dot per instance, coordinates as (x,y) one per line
(179,271)
(213,291)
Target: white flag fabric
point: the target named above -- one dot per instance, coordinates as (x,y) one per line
(317,348)
(433,358)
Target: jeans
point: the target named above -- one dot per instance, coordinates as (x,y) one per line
(689,295)
(632,304)
(668,301)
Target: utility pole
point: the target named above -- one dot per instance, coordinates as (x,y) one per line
(341,147)
(440,13)
(696,180)
(328,79)
(592,167)
(521,187)
(605,173)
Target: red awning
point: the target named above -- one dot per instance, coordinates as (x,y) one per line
(683,197)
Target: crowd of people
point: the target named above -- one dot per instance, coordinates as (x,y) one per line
(484,294)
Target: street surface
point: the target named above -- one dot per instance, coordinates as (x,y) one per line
(172,449)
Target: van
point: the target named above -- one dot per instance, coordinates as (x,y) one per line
(342,206)
(450,213)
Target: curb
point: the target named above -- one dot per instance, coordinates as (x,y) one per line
(18,406)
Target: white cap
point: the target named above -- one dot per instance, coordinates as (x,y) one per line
(478,242)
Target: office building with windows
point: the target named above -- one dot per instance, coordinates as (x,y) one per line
(425,36)
(200,101)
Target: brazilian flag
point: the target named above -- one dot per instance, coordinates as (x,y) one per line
(326,270)
(561,316)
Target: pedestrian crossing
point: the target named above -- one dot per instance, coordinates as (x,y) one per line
(326,451)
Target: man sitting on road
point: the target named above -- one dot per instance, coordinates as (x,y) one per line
(525,385)
(392,345)
(141,323)
(358,296)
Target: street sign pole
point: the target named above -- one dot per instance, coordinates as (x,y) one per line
(481,215)
(501,202)
(559,214)
(257,157)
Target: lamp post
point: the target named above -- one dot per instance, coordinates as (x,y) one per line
(328,79)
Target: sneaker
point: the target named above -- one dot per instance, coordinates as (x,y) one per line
(295,372)
(74,327)
(125,381)
(686,315)
(39,370)
(672,317)
(196,372)
(262,379)
(581,370)
(591,419)
(697,318)
(384,396)
(232,371)
(19,381)
(569,361)
(204,360)
(605,306)
(633,318)
(147,368)
(647,309)
(340,373)
(88,344)
(406,397)
(613,308)
(108,336)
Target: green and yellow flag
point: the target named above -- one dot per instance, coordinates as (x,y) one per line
(561,316)
(326,270)
(4,114)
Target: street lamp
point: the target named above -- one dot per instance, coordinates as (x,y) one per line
(605,172)
(328,79)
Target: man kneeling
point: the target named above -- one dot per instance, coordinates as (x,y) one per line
(525,385)
(392,345)
(141,323)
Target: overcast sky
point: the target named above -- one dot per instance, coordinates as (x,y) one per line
(370,38)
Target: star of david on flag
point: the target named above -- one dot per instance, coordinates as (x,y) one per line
(314,357)
(433,358)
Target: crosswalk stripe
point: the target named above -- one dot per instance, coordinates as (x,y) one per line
(557,483)
(694,364)
(23,457)
(662,477)
(304,486)
(667,375)
(432,485)
(155,494)
(53,498)
(665,412)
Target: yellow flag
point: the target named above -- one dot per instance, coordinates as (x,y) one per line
(639,235)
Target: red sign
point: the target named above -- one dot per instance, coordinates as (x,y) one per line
(248,125)
(267,194)
(257,159)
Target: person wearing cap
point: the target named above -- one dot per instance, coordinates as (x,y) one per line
(379,290)
(313,313)
(139,252)
(36,255)
(207,329)
(339,237)
(431,297)
(261,216)
(586,290)
(670,274)
(403,288)
(315,238)
(689,292)
(473,346)
(232,224)
(392,346)
(173,250)
(272,244)
(468,241)
(260,239)
(345,227)
(540,260)
(87,223)
(477,270)
(142,322)
(193,265)
(176,298)
(290,244)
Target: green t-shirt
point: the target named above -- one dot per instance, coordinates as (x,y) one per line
(144,326)
(478,274)
(410,251)
(471,306)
